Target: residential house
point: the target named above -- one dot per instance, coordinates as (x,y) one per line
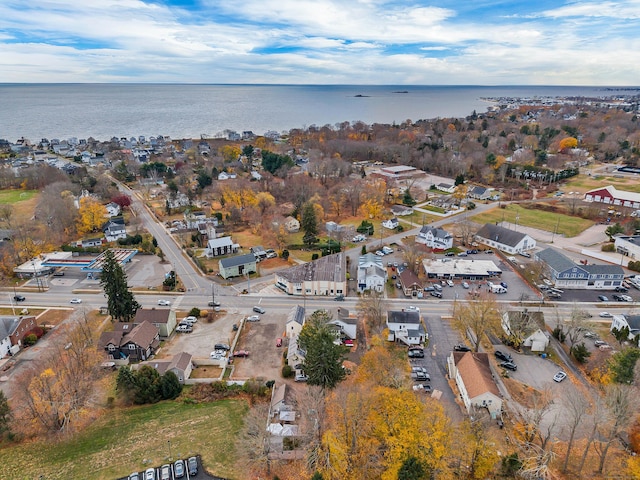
(255,175)
(178,200)
(324,276)
(113,209)
(565,273)
(474,379)
(632,322)
(446,187)
(291,224)
(371,273)
(194,217)
(410,283)
(130,343)
(479,193)
(237,266)
(401,210)
(345,325)
(90,242)
(217,247)
(180,364)
(12,332)
(612,196)
(295,321)
(295,355)
(435,238)
(406,326)
(164,319)
(333,227)
(391,223)
(114,229)
(226,176)
(525,329)
(504,239)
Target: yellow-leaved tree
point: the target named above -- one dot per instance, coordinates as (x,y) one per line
(92,215)
(376,424)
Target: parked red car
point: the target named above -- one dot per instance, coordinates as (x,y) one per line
(240,353)
(278,342)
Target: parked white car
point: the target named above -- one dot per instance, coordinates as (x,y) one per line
(164,303)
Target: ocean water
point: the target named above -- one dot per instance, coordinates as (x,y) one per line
(102,111)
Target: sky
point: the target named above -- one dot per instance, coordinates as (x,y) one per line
(358,42)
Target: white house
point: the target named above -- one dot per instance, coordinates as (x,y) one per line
(371,273)
(114,230)
(401,210)
(525,329)
(504,239)
(295,322)
(346,326)
(391,224)
(406,326)
(324,276)
(472,374)
(113,209)
(446,187)
(630,321)
(221,246)
(435,238)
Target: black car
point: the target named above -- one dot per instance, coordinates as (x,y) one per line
(618,298)
(435,293)
(214,304)
(19,298)
(622,289)
(509,366)
(416,353)
(503,356)
(449,254)
(461,347)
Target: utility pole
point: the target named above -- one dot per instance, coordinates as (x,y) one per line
(213,294)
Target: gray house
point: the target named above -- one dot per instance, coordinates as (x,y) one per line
(565,273)
(237,266)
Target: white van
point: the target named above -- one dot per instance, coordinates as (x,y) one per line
(498,289)
(387,250)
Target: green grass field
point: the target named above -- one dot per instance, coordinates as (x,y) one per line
(127,440)
(548,221)
(15,196)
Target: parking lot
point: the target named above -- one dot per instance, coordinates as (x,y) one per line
(258,338)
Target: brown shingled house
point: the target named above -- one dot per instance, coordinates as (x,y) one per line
(130,342)
(474,379)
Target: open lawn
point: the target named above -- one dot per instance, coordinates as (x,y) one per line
(584,183)
(15,196)
(133,439)
(549,221)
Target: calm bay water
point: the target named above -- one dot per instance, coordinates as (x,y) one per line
(187,111)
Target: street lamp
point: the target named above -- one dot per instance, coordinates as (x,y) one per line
(169,443)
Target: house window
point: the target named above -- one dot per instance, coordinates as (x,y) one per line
(111,348)
(132,346)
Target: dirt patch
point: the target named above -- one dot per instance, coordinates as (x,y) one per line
(521,393)
(52,317)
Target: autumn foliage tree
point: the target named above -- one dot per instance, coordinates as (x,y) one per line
(477,317)
(92,215)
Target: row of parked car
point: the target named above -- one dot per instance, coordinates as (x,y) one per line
(179,469)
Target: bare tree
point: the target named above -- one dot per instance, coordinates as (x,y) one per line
(621,402)
(475,318)
(253,442)
(576,404)
(372,306)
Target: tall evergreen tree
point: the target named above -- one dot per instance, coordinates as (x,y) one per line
(309,224)
(121,302)
(323,361)
(170,386)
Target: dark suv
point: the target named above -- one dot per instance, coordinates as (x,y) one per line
(416,353)
(19,298)
(505,357)
(622,289)
(461,347)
